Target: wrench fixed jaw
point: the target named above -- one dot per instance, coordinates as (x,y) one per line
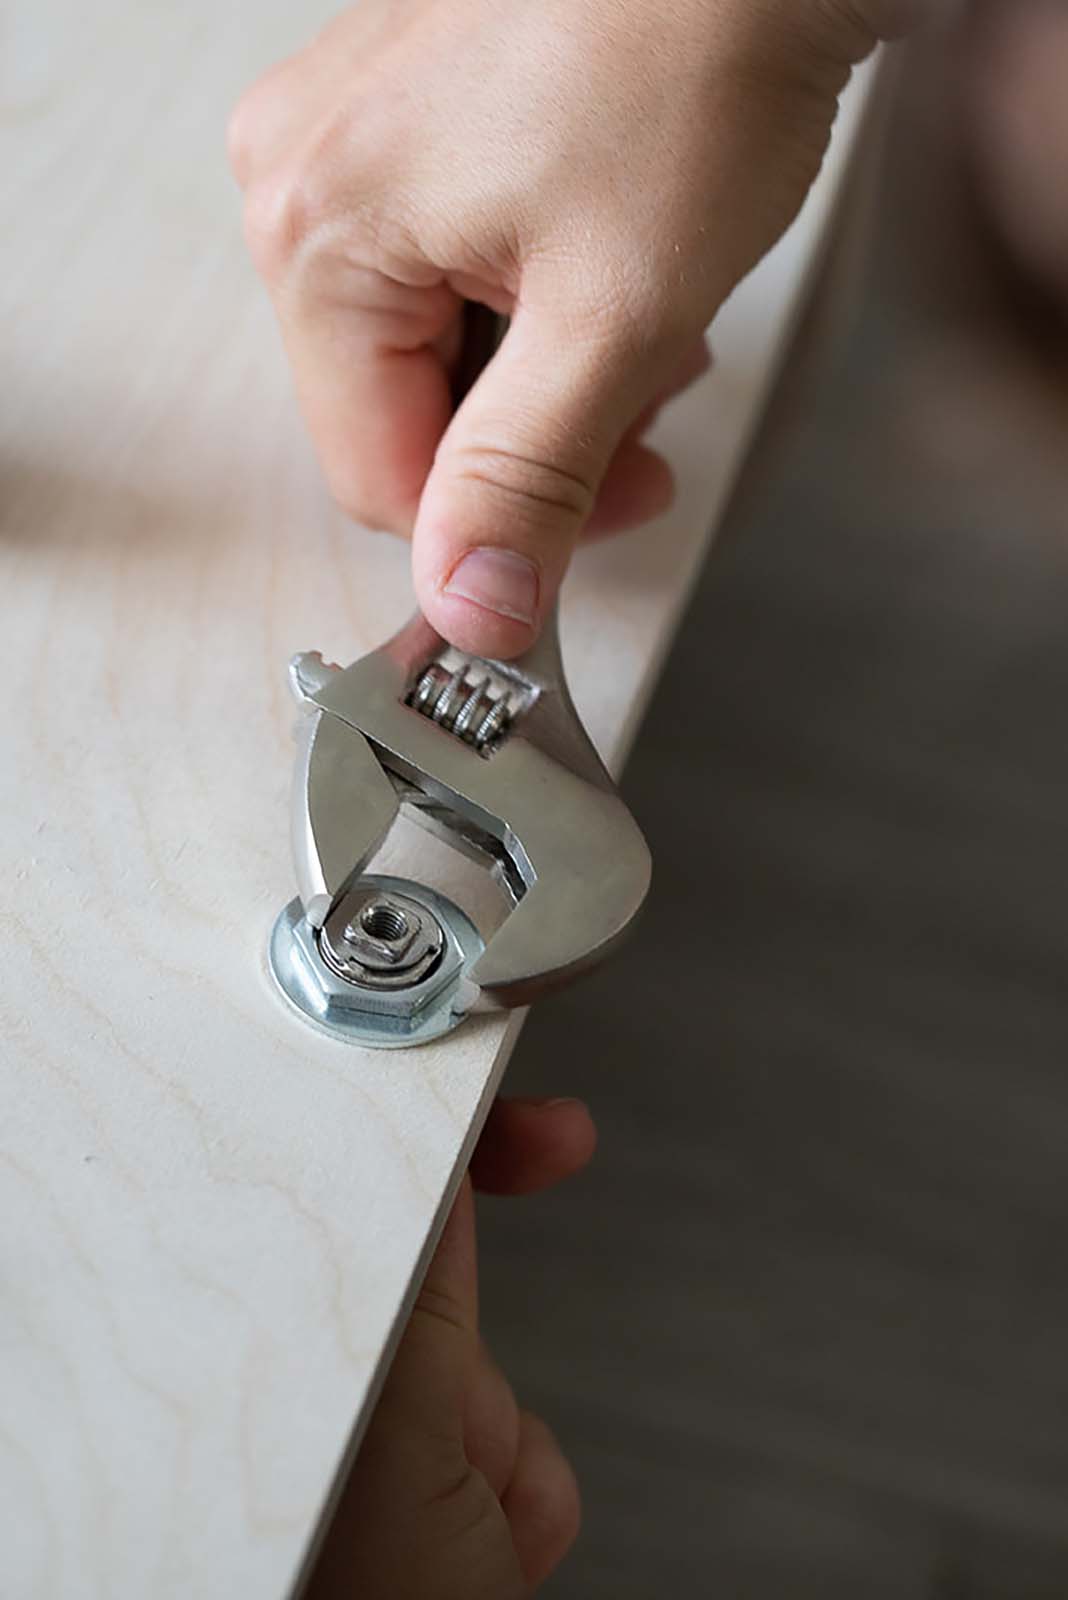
(577,866)
(578,861)
(577,910)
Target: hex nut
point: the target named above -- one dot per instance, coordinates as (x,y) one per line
(327,988)
(369,960)
(388,1018)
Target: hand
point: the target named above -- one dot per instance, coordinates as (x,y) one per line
(1015,61)
(456,1494)
(604,172)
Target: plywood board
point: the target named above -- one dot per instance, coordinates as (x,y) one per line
(211,1217)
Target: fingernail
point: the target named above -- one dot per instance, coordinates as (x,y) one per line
(560,1100)
(498,580)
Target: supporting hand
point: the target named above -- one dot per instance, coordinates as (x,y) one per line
(457,1493)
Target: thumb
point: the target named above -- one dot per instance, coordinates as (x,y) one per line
(515,478)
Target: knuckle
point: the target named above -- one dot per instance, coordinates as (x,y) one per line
(561,1513)
(243,133)
(318,190)
(241,139)
(441,1309)
(283,209)
(250,120)
(552,1501)
(274,222)
(466,1516)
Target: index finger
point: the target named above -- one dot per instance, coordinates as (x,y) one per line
(373,384)
(528,1145)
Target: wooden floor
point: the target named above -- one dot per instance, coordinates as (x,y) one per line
(804,1325)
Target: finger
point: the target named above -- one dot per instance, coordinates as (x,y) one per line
(272,114)
(425,1387)
(542,1501)
(1016,65)
(491,1423)
(694,364)
(369,358)
(411,1470)
(528,1145)
(638,486)
(450,1287)
(282,108)
(516,478)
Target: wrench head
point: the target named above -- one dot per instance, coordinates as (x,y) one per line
(542,800)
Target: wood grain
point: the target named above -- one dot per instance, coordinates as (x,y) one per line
(211,1219)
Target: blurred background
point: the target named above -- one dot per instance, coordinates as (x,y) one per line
(803,1326)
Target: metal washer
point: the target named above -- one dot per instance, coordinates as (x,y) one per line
(309,985)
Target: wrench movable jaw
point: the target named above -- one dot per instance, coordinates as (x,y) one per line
(343,807)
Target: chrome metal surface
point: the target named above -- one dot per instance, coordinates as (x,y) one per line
(381,940)
(465,696)
(543,810)
(424,1005)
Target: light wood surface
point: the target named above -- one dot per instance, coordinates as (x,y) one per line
(211,1218)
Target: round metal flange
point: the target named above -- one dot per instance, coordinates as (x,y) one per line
(384,1013)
